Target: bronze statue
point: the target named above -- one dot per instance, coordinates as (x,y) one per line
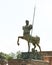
(26,36)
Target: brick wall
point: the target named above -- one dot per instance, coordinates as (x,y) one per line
(27,62)
(46,53)
(48,59)
(2,62)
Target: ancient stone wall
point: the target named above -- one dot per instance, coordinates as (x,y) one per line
(46,53)
(48,59)
(27,62)
(2,62)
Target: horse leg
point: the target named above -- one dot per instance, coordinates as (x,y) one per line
(28,47)
(18,39)
(39,47)
(34,47)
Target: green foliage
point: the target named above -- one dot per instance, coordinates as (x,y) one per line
(2,55)
(18,55)
(5,56)
(10,56)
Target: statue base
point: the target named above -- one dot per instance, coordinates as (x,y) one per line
(31,55)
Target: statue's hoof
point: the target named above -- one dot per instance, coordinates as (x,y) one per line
(18,44)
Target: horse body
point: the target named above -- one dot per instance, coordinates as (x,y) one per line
(34,40)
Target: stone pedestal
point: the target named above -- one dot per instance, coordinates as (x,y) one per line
(31,55)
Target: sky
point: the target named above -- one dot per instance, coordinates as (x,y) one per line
(13,14)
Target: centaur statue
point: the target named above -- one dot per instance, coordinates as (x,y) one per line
(26,36)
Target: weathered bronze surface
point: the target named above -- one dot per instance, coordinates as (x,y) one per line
(30,39)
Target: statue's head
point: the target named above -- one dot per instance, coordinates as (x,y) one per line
(27,22)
